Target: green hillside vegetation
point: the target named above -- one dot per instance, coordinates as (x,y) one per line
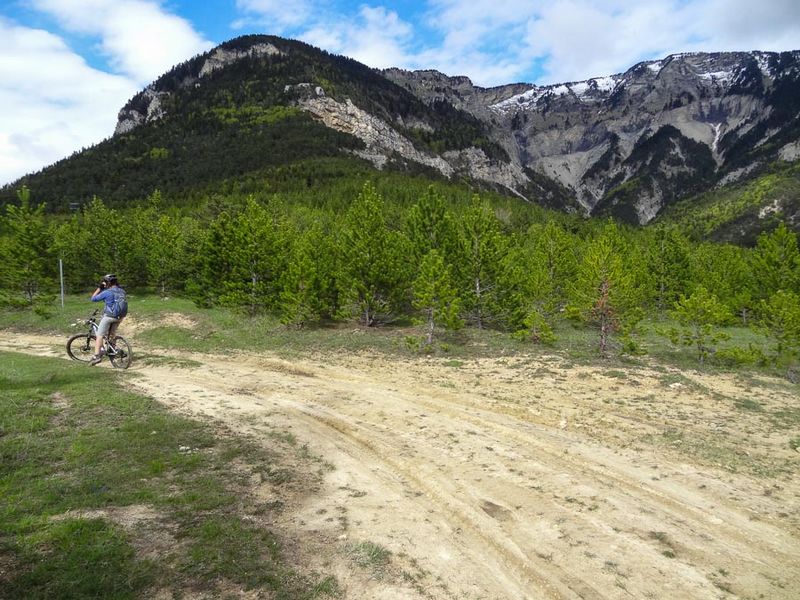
(399,251)
(734,212)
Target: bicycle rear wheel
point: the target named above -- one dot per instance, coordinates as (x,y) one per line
(81,347)
(120,354)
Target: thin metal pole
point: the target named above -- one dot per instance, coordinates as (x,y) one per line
(61,276)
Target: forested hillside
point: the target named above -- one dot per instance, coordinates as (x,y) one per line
(401,250)
(736,213)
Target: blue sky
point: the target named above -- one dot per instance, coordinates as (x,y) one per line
(68,66)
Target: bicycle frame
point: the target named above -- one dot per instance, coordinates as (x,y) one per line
(108,345)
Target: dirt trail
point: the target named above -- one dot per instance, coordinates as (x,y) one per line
(521,477)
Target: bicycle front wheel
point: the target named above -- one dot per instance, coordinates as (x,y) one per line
(81,347)
(121,354)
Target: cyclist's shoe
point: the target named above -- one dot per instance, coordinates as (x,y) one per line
(96,359)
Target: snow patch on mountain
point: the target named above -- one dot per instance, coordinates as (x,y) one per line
(585,91)
(718,76)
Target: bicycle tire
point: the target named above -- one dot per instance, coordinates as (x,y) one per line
(80,347)
(121,358)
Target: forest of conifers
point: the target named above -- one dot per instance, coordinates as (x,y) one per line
(429,253)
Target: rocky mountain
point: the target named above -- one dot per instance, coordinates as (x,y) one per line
(631,143)
(626,145)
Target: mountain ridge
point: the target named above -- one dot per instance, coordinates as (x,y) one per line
(706,96)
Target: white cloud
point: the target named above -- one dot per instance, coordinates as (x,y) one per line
(772,25)
(51,102)
(139,37)
(375,36)
(549,41)
(578,39)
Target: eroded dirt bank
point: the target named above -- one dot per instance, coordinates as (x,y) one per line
(520,477)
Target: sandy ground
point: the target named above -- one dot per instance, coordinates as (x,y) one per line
(516,478)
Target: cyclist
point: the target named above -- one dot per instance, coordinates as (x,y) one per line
(110,292)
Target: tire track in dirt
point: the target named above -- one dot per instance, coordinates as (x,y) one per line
(347,438)
(458,512)
(670,507)
(685,504)
(624,475)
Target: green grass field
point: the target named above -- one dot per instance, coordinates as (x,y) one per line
(105,494)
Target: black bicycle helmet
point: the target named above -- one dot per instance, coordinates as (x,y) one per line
(111,279)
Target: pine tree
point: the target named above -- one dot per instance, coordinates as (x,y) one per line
(776,263)
(482,246)
(213,261)
(28,265)
(667,254)
(254,255)
(555,251)
(700,316)
(145,243)
(375,260)
(165,249)
(527,292)
(430,226)
(94,243)
(309,292)
(782,318)
(70,243)
(725,271)
(435,295)
(604,293)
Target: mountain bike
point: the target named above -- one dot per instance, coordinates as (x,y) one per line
(80,346)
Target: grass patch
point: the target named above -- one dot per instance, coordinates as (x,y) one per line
(615,374)
(80,558)
(77,451)
(720,451)
(749,405)
(219,330)
(370,556)
(786,418)
(455,364)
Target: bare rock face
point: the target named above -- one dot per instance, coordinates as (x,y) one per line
(148,109)
(222,57)
(381,140)
(475,163)
(432,86)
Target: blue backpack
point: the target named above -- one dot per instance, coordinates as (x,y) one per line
(119,307)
